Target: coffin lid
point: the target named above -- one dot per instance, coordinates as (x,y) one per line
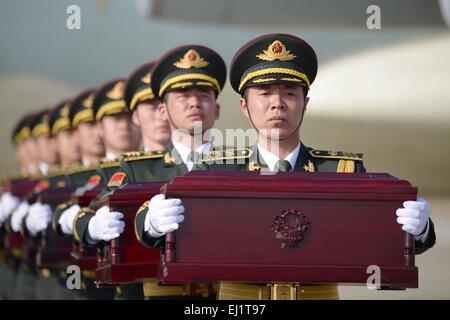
(295,185)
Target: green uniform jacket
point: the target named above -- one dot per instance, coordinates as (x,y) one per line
(105,170)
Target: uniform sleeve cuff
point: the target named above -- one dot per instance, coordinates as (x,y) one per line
(423,237)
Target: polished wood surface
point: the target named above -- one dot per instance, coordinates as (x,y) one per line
(125,259)
(228,231)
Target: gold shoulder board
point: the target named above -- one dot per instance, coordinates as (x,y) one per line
(133,156)
(224,154)
(79,168)
(336,155)
(108,163)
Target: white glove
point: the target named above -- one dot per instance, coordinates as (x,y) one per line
(38,218)
(163,216)
(18,215)
(67,217)
(414,216)
(8,203)
(105,225)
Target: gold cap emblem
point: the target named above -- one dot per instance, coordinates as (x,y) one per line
(191,59)
(65,111)
(88,102)
(45,118)
(276,51)
(116,93)
(146,78)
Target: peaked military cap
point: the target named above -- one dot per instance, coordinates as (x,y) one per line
(137,87)
(81,108)
(40,124)
(186,66)
(21,130)
(273,58)
(109,99)
(59,117)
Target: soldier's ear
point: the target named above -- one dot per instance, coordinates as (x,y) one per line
(100,129)
(76,134)
(162,110)
(75,137)
(135,118)
(244,107)
(217,110)
(306,102)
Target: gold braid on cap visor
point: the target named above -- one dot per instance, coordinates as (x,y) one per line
(188,76)
(60,124)
(267,71)
(146,94)
(109,107)
(40,129)
(23,134)
(84,115)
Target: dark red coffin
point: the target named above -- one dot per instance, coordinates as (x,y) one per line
(52,249)
(126,260)
(19,189)
(85,257)
(289,227)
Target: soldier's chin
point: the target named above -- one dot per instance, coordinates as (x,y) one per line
(275,134)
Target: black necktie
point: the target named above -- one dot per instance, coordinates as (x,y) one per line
(283,166)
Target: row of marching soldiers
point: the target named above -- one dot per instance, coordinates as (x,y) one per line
(81,143)
(167,108)
(78,144)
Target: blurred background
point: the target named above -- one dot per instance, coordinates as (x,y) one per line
(384,92)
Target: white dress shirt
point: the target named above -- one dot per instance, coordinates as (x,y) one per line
(43,168)
(85,162)
(110,156)
(271,160)
(184,152)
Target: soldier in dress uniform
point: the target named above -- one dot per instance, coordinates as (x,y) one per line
(273,74)
(188,80)
(92,150)
(50,284)
(44,154)
(8,202)
(119,135)
(155,132)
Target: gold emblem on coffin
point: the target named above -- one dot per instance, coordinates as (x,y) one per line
(191,59)
(116,93)
(276,51)
(289,227)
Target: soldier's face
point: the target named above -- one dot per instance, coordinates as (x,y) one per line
(275,110)
(68,147)
(119,133)
(153,125)
(46,150)
(90,141)
(195,107)
(21,155)
(31,151)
